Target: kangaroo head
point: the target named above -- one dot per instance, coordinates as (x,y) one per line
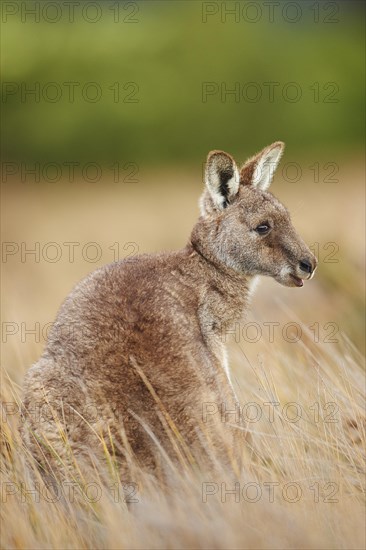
(244,227)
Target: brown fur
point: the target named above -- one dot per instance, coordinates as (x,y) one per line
(136,348)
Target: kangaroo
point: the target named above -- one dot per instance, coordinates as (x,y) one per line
(136,350)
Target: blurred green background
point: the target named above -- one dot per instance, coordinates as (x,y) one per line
(162,54)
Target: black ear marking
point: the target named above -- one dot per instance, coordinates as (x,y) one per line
(225,176)
(221,178)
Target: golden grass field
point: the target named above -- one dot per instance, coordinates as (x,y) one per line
(303,483)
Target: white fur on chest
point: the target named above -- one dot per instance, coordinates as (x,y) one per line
(225,364)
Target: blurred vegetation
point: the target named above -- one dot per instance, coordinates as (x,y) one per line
(168,54)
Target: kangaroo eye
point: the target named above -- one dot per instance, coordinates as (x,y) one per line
(263,228)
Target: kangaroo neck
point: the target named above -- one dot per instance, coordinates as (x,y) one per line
(226,291)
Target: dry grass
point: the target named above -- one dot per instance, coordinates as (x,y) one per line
(303,480)
(303,486)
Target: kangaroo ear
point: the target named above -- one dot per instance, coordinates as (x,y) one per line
(259,170)
(221,178)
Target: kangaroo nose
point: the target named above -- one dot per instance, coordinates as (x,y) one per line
(306,266)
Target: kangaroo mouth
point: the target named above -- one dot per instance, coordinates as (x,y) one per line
(298,282)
